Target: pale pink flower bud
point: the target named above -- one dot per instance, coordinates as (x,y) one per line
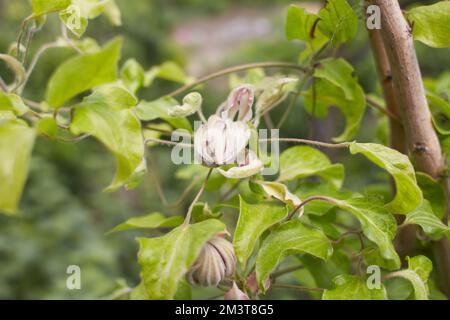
(235,294)
(215,263)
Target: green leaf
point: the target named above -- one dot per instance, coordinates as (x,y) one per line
(338,21)
(440,113)
(424,217)
(165,260)
(419,268)
(287,239)
(377,224)
(431,24)
(171,71)
(432,191)
(408,195)
(16,144)
(12,102)
(350,287)
(253,220)
(201,211)
(107,115)
(303,161)
(420,265)
(83,72)
(280,192)
(149,221)
(160,109)
(76,17)
(46,6)
(132,75)
(336,85)
(48,127)
(373,256)
(301,25)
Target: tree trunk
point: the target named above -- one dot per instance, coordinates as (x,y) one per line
(405,241)
(422,141)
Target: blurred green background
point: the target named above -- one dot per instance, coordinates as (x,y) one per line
(64,215)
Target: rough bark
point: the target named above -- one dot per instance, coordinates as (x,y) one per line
(422,141)
(405,241)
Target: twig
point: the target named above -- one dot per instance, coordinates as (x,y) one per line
(297,287)
(155,179)
(321,198)
(199,194)
(380,108)
(184,194)
(167,142)
(281,272)
(311,142)
(36,58)
(236,69)
(3,85)
(288,109)
(268,121)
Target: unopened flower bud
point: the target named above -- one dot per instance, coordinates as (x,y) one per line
(239,100)
(219,141)
(235,294)
(191,104)
(252,285)
(215,263)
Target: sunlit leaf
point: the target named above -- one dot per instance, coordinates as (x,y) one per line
(16,143)
(303,161)
(159,108)
(106,115)
(280,192)
(132,75)
(336,85)
(83,72)
(165,260)
(377,224)
(424,217)
(431,24)
(419,268)
(47,6)
(254,219)
(150,221)
(348,287)
(408,195)
(301,25)
(12,102)
(287,239)
(338,21)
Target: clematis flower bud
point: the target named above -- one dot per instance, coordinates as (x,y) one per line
(191,104)
(215,263)
(235,294)
(239,100)
(219,141)
(252,285)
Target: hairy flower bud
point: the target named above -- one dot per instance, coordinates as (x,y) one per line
(235,294)
(219,141)
(215,263)
(239,100)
